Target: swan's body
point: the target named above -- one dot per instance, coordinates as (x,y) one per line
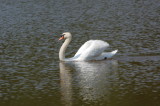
(91,50)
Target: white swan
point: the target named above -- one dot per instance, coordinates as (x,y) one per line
(91,50)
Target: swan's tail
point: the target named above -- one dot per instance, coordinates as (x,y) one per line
(114,52)
(106,55)
(111,54)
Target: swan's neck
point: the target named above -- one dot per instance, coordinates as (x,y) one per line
(63,49)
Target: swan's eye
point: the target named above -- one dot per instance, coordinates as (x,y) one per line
(62,35)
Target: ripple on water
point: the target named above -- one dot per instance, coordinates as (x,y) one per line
(30,71)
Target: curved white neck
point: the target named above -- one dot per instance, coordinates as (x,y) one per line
(63,48)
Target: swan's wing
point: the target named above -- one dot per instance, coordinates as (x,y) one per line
(92,49)
(83,47)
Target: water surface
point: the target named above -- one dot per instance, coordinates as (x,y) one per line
(30,71)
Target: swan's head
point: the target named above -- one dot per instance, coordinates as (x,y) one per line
(65,35)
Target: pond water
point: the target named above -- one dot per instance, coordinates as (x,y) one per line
(32,75)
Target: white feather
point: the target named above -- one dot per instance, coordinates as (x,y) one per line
(91,50)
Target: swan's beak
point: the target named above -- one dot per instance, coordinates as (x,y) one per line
(62,37)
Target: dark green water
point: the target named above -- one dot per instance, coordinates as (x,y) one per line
(30,71)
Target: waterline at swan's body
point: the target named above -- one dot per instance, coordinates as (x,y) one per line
(90,50)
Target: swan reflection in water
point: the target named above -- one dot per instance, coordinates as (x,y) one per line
(91,78)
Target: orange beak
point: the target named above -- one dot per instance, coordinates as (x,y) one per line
(61,38)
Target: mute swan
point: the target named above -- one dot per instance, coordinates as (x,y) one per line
(91,50)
